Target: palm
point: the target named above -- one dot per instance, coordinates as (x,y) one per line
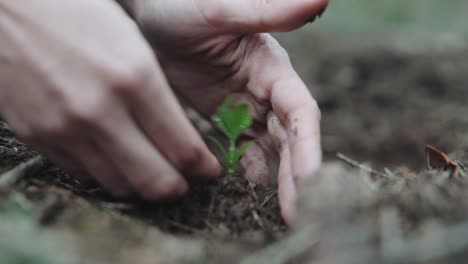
(205,79)
(214,50)
(202,65)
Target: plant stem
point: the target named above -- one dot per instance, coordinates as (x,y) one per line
(232,150)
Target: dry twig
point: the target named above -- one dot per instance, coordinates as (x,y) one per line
(22,170)
(361,166)
(268,199)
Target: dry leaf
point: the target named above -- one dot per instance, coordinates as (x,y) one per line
(436,159)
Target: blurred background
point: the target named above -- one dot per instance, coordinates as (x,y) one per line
(414,25)
(390,77)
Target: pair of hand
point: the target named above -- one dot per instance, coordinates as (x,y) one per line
(80,83)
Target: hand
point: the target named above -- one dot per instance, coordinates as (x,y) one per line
(80,83)
(211,48)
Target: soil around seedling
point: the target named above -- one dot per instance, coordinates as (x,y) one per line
(230,207)
(226,208)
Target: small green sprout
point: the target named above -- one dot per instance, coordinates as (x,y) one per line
(233,121)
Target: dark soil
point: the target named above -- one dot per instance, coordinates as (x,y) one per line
(379,106)
(228,208)
(231,208)
(382,106)
(12,151)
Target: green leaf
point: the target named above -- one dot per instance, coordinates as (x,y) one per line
(218,118)
(233,120)
(238,120)
(220,146)
(238,153)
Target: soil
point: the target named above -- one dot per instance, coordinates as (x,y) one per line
(230,207)
(379,106)
(383,106)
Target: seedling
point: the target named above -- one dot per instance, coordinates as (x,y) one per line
(233,121)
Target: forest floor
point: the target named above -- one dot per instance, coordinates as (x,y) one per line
(380,107)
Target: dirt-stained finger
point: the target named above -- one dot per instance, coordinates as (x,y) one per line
(287,190)
(255,163)
(299,113)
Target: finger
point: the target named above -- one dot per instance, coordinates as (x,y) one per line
(287,189)
(259,15)
(287,192)
(103,170)
(300,115)
(254,161)
(143,166)
(273,79)
(160,116)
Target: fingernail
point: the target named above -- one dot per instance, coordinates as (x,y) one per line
(322,11)
(319,14)
(210,168)
(312,19)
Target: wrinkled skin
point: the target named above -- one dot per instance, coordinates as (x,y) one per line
(80,83)
(219,48)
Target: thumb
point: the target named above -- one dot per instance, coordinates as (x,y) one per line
(254,16)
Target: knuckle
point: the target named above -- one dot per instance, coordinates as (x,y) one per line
(89,113)
(271,48)
(277,50)
(125,79)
